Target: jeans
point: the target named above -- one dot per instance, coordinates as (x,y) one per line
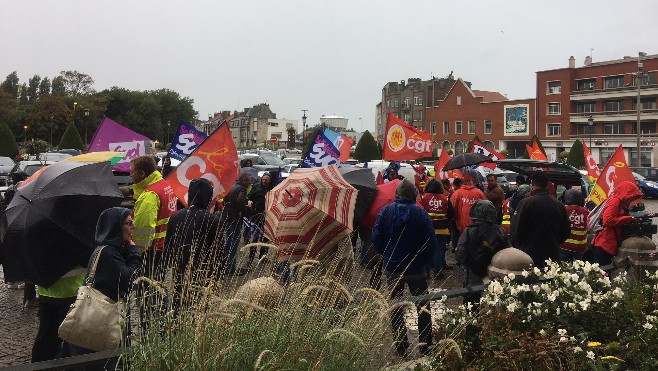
(233,233)
(417,287)
(570,256)
(47,344)
(439,258)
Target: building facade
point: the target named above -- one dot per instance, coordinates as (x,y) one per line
(333,122)
(606,92)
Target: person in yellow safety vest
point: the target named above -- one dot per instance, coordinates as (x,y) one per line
(575,246)
(441,213)
(507,216)
(155,203)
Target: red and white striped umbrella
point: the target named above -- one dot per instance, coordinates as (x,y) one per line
(309,212)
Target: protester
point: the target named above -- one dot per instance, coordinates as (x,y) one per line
(119,260)
(462,200)
(190,247)
(522,192)
(478,244)
(256,213)
(575,246)
(447,188)
(506,216)
(403,234)
(540,223)
(155,203)
(441,213)
(235,208)
(420,178)
(392,172)
(615,216)
(496,195)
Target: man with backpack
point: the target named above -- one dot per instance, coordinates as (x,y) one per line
(478,244)
(540,223)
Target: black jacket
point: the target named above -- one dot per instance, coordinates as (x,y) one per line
(257,196)
(118,263)
(539,224)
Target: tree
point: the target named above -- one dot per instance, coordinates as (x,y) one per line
(8,146)
(34,147)
(71,138)
(10,85)
(58,87)
(576,156)
(33,88)
(366,149)
(77,83)
(48,117)
(22,99)
(44,86)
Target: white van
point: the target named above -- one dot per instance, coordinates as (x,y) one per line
(377,166)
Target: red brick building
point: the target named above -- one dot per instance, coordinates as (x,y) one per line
(607,92)
(499,122)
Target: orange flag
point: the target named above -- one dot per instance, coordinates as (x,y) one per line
(345,144)
(480,148)
(380,178)
(450,174)
(614,172)
(535,153)
(592,167)
(215,159)
(404,142)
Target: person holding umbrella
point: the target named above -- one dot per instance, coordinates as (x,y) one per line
(256,213)
(404,235)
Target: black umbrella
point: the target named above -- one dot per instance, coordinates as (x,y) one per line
(363,180)
(466,159)
(51,221)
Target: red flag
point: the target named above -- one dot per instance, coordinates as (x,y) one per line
(380,178)
(405,142)
(450,174)
(216,159)
(535,153)
(345,144)
(480,148)
(592,167)
(614,172)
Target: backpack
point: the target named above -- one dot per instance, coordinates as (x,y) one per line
(488,240)
(595,218)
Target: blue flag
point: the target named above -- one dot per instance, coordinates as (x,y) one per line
(185,141)
(322,153)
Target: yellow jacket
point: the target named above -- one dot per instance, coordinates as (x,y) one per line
(146,209)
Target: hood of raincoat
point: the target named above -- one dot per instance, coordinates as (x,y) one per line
(573,197)
(109,229)
(627,191)
(200,193)
(483,210)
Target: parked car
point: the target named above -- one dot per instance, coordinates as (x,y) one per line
(650,173)
(6,164)
(289,168)
(292,160)
(377,166)
(25,169)
(264,162)
(50,156)
(648,187)
(351,161)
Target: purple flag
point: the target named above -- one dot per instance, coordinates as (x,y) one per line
(111,136)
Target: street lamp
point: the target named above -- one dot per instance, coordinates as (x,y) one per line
(167,137)
(25,132)
(51,129)
(638,80)
(86,120)
(590,122)
(361,119)
(304,125)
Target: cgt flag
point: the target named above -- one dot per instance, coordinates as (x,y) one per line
(216,159)
(480,148)
(535,153)
(404,142)
(345,144)
(450,174)
(185,141)
(592,167)
(614,172)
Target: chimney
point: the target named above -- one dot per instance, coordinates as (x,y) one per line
(572,62)
(402,83)
(588,60)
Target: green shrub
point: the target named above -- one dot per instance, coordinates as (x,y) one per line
(8,145)
(71,139)
(367,149)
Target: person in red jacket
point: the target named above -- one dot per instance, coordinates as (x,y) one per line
(440,211)
(462,200)
(615,215)
(575,246)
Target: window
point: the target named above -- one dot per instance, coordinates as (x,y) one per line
(645,128)
(645,79)
(586,107)
(446,127)
(645,103)
(554,108)
(459,148)
(554,130)
(554,87)
(407,118)
(459,100)
(275,124)
(613,105)
(605,154)
(645,157)
(613,81)
(582,129)
(588,84)
(419,115)
(405,103)
(471,127)
(487,126)
(418,101)
(433,128)
(458,127)
(445,145)
(613,128)
(395,103)
(489,144)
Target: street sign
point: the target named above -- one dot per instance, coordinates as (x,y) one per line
(273,139)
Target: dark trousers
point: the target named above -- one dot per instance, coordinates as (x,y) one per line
(416,287)
(601,256)
(47,344)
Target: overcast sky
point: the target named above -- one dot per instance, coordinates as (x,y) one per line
(329,57)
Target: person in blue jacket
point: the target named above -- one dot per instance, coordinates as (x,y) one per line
(404,235)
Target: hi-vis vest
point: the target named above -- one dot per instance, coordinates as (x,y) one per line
(577,241)
(154,238)
(436,206)
(506,217)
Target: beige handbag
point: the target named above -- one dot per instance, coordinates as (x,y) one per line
(94,321)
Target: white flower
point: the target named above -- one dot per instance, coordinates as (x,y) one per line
(536,271)
(577,349)
(618,292)
(647,326)
(511,276)
(511,307)
(590,354)
(542,332)
(561,331)
(525,274)
(564,339)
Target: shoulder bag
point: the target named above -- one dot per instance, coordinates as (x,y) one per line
(94,321)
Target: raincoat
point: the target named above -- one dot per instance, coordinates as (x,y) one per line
(615,215)
(462,200)
(151,212)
